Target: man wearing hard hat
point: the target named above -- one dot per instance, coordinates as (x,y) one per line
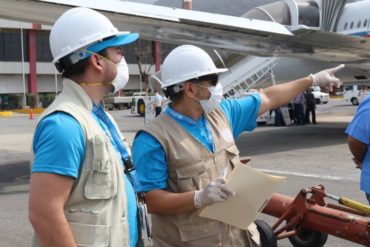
(80,194)
(183,155)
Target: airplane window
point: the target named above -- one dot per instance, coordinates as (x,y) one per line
(351,25)
(359,24)
(345,25)
(365,22)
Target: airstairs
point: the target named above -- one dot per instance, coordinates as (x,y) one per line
(247,73)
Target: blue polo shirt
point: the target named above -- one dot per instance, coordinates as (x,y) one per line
(149,156)
(59,146)
(359,129)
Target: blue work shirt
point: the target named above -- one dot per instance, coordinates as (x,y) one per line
(149,156)
(359,129)
(59,146)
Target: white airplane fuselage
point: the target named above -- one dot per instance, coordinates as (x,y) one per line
(354,20)
(236,35)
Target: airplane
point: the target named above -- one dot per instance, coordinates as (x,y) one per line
(339,36)
(311,35)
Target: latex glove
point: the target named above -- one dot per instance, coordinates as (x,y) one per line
(215,191)
(326,78)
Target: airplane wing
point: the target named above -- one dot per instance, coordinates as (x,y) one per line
(234,34)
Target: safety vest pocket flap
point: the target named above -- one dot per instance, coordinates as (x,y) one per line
(232,149)
(193,177)
(101,158)
(191,171)
(90,235)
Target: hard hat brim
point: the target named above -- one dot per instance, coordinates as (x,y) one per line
(120,39)
(215,71)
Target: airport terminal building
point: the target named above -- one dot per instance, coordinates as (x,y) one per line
(26,68)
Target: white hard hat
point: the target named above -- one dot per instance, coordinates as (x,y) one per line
(187,62)
(80,29)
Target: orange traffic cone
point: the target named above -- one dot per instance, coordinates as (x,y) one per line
(31,114)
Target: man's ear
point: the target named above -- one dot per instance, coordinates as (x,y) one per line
(188,89)
(96,62)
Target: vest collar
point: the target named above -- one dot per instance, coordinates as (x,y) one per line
(77,93)
(183,118)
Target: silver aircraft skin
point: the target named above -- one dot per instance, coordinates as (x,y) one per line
(307,49)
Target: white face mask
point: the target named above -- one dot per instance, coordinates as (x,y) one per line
(122,76)
(214,100)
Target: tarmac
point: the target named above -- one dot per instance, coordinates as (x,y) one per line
(307,156)
(16,135)
(14,146)
(15,150)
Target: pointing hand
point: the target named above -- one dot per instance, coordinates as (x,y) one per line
(326,78)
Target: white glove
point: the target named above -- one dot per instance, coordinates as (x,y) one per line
(215,191)
(326,78)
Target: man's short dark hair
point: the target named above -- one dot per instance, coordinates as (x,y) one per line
(80,67)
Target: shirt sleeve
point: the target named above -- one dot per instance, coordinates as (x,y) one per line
(150,162)
(59,145)
(242,113)
(359,128)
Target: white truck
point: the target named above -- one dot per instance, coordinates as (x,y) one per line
(117,102)
(320,97)
(355,93)
(139,103)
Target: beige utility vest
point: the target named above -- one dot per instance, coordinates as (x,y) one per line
(192,167)
(97,208)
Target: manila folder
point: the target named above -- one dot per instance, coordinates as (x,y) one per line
(253,190)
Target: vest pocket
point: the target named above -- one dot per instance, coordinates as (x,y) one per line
(193,177)
(90,235)
(99,183)
(197,231)
(233,154)
(124,232)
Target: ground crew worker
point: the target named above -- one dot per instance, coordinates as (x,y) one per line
(358,132)
(79,194)
(158,103)
(310,107)
(182,155)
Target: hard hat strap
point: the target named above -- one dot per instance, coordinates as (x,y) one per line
(68,61)
(93,84)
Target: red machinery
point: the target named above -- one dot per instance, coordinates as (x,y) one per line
(309,219)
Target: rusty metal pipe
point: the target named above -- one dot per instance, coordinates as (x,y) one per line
(345,209)
(317,217)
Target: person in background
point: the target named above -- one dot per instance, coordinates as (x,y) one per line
(80,194)
(298,102)
(158,103)
(149,92)
(279,121)
(310,107)
(358,132)
(182,156)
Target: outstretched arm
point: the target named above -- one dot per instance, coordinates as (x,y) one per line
(275,96)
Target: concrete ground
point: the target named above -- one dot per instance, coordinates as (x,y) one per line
(306,155)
